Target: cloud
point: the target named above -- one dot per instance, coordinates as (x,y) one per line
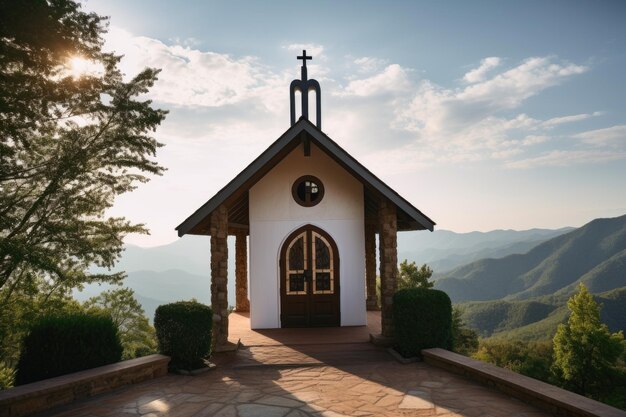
(567,158)
(368,64)
(393,79)
(614,135)
(555,121)
(191,77)
(478,74)
(237,101)
(473,122)
(508,89)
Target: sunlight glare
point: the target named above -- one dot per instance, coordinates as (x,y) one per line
(79,66)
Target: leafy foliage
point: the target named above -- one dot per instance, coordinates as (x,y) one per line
(464,339)
(18,314)
(137,336)
(422,319)
(585,352)
(59,345)
(530,359)
(7,377)
(184,333)
(69,146)
(410,276)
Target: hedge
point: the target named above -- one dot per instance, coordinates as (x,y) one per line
(62,344)
(422,319)
(184,333)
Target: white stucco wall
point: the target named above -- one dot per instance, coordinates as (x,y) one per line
(274,215)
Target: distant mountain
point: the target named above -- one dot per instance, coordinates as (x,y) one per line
(594,254)
(180,270)
(190,254)
(444,250)
(537,318)
(155,288)
(167,273)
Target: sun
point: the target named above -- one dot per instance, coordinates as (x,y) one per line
(79,66)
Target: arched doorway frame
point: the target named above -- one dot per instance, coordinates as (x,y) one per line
(310,308)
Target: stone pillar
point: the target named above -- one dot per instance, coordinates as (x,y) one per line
(388,227)
(219,276)
(370,267)
(242,303)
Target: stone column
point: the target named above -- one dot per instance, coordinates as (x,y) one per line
(219,276)
(242,303)
(388,227)
(370,267)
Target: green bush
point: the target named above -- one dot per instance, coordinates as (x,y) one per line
(184,333)
(58,345)
(7,377)
(422,319)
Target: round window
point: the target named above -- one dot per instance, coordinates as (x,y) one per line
(307,191)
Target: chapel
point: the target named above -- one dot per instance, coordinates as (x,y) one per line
(305,215)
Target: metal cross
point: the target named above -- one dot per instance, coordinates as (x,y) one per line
(304,57)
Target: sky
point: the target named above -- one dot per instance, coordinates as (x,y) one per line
(484,115)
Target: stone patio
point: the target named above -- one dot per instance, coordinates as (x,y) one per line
(306,372)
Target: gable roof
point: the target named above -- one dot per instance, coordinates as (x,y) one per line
(296,134)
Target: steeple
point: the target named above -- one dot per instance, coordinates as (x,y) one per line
(304,85)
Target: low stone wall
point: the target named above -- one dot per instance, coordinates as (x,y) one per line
(545,396)
(43,395)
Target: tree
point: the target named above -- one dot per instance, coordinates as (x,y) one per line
(17,315)
(69,145)
(410,276)
(137,336)
(464,339)
(528,358)
(585,352)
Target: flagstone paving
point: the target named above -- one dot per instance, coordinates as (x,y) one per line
(317,378)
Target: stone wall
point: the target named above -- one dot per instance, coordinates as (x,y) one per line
(44,395)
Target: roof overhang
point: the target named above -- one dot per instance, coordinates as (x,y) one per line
(236,190)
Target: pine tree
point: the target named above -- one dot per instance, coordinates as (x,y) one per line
(585,352)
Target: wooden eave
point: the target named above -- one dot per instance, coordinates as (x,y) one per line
(235,194)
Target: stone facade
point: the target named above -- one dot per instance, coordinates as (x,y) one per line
(388,252)
(219,275)
(242,303)
(370,267)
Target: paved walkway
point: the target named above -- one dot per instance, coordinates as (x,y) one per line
(310,377)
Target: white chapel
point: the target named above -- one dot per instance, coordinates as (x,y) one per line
(308,213)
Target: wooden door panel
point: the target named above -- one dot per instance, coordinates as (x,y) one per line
(309,272)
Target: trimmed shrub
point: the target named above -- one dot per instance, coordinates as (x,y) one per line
(184,333)
(59,345)
(422,319)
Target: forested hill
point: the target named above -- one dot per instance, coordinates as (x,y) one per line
(594,254)
(537,318)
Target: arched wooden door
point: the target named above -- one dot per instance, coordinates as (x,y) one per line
(309,279)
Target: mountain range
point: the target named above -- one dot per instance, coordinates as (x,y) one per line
(444,250)
(524,296)
(509,283)
(180,270)
(594,254)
